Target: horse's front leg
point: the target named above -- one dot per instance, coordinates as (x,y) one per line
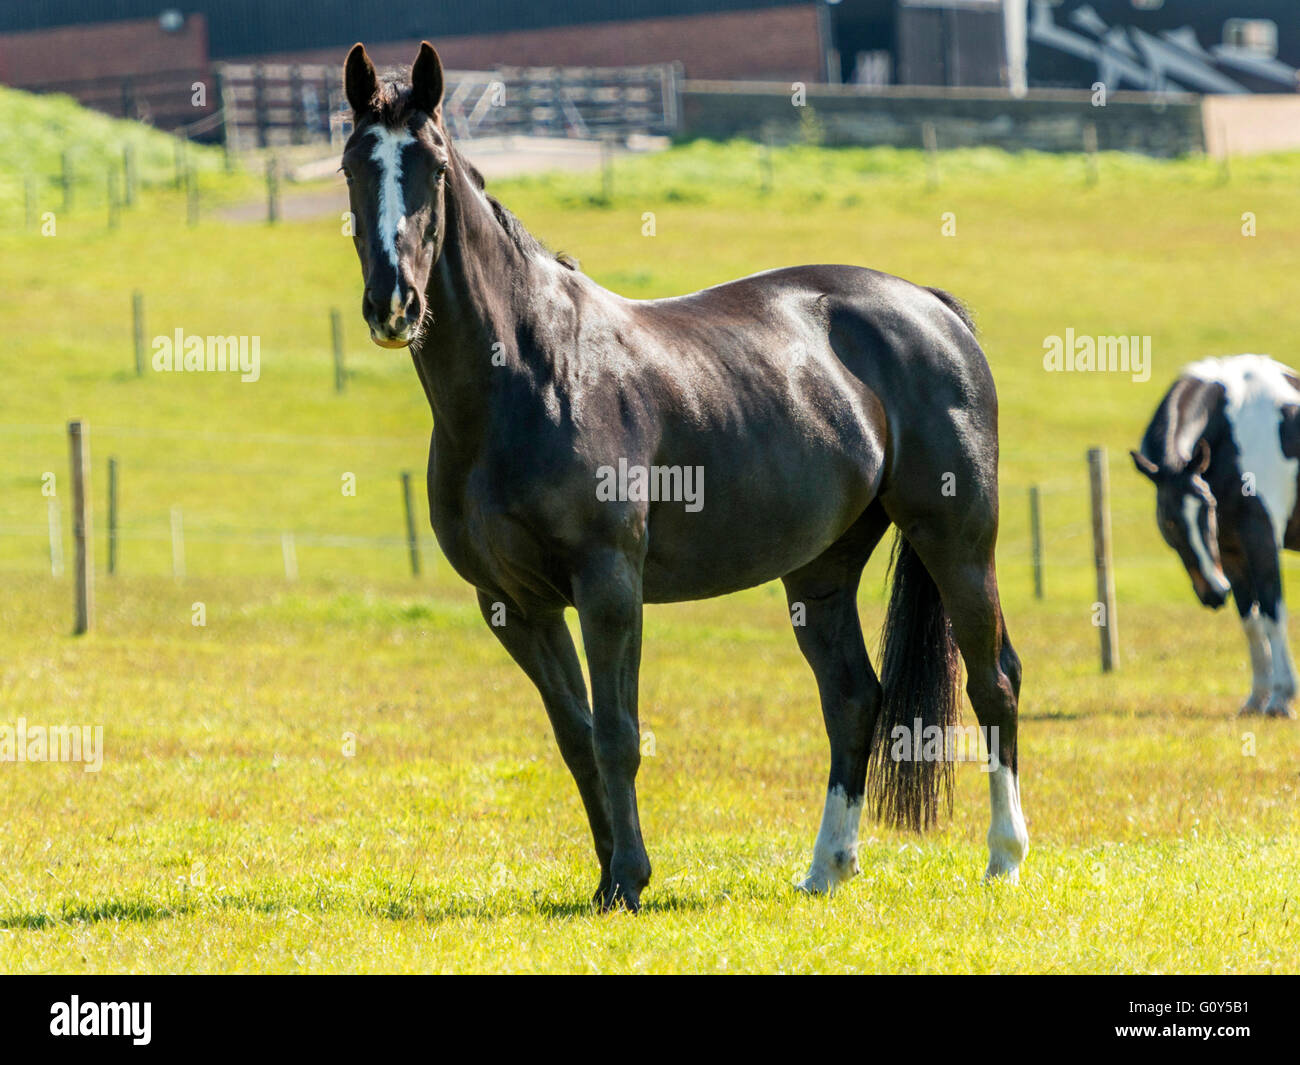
(543,649)
(1237,571)
(1274,623)
(1266,576)
(607,593)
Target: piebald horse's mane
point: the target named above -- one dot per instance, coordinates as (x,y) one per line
(392,104)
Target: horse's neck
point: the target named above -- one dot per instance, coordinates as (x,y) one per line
(1189,416)
(478,300)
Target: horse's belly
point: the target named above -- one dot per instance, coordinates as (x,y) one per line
(737,540)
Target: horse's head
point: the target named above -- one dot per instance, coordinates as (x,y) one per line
(395,163)
(1186,514)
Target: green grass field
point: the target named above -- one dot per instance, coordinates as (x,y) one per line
(346,773)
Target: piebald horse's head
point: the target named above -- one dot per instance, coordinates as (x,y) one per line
(1186,512)
(395,163)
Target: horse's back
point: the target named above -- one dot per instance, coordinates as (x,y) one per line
(885,318)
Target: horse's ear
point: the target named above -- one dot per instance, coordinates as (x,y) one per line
(1200,457)
(360,81)
(1144,465)
(426,79)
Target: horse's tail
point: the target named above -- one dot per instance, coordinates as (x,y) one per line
(920,675)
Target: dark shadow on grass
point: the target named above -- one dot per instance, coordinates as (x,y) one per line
(134,910)
(1139,714)
(403,909)
(548,909)
(92,912)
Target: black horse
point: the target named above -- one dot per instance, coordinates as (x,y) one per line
(572,432)
(1224,452)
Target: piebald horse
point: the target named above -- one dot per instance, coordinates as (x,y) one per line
(824,403)
(1224,452)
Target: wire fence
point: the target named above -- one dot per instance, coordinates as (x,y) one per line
(211,503)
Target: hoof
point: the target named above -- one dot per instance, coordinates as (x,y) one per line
(616,897)
(1005,856)
(1254,705)
(1279,708)
(998,873)
(622,888)
(827,875)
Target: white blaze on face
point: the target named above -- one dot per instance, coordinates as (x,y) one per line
(387,156)
(1192,506)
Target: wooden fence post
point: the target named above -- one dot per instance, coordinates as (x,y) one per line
(114,204)
(1106,621)
(412,544)
(229,130)
(930,140)
(128,174)
(67,180)
(259,105)
(79,448)
(272,191)
(290,553)
(137,326)
(1036,536)
(336,332)
(178,544)
(112,516)
(1090,150)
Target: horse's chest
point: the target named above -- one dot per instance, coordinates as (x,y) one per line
(489,545)
(457,523)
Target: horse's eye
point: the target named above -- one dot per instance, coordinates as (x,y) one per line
(440,170)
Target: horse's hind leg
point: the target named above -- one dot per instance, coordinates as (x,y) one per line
(823,608)
(962,568)
(544,650)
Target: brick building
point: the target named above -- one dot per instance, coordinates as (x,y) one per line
(114,54)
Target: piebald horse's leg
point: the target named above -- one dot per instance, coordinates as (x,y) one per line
(1261,661)
(822,598)
(1284,684)
(607,594)
(544,650)
(1261,656)
(1266,576)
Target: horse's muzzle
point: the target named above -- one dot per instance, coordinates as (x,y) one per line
(389,342)
(1210,596)
(391,325)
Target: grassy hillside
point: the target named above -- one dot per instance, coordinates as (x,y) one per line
(37,131)
(228,828)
